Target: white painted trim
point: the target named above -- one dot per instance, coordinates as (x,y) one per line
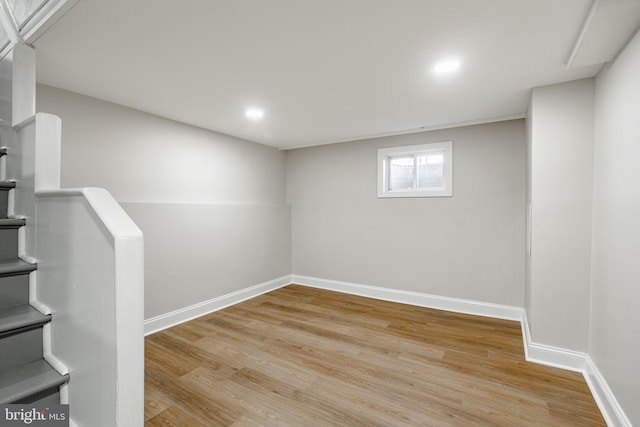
(3,165)
(28,258)
(578,362)
(164,321)
(47,152)
(414,298)
(583,31)
(128,303)
(22,239)
(45,18)
(21,125)
(24,83)
(11,203)
(426,128)
(64,394)
(604,397)
(9,23)
(550,355)
(48,353)
(33,297)
(536,353)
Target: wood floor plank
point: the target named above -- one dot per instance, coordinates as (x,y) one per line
(305,356)
(155,401)
(174,417)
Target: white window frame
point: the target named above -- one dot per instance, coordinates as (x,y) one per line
(384,154)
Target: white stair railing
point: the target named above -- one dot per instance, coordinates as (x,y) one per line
(90,273)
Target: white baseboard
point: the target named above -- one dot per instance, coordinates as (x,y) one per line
(33,294)
(538,353)
(47,352)
(534,352)
(579,362)
(607,402)
(164,321)
(550,355)
(415,298)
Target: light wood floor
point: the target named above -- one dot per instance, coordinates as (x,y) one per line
(300,356)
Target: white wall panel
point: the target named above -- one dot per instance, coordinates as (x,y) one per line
(90,276)
(615,319)
(561,170)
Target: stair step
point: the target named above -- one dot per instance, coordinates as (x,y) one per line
(44,398)
(8,243)
(11,223)
(9,237)
(14,290)
(20,348)
(14,267)
(27,380)
(5,186)
(21,318)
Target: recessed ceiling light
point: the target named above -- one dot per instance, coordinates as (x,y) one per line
(254,113)
(447,67)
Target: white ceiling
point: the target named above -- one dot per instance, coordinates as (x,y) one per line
(323,70)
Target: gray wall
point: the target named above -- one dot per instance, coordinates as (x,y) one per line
(615,319)
(194,252)
(140,157)
(561,169)
(198,197)
(468,246)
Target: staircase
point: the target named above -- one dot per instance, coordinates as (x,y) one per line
(25,377)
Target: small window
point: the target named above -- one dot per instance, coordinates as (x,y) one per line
(415,171)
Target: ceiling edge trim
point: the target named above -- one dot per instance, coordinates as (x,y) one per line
(582,34)
(483,121)
(45,18)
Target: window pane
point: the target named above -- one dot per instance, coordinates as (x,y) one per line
(431,170)
(423,170)
(400,173)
